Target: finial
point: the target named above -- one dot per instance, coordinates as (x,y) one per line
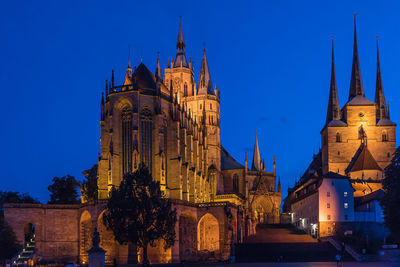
(141,55)
(129,56)
(112,78)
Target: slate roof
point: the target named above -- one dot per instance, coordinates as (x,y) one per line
(385,122)
(360,100)
(362,160)
(376,195)
(144,78)
(228,162)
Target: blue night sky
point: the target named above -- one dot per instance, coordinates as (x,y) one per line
(271,60)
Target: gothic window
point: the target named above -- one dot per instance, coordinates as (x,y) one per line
(210,106)
(338,137)
(235,183)
(126,118)
(185,89)
(145,138)
(384,136)
(200,106)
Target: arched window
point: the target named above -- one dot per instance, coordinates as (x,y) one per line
(338,137)
(185,89)
(385,136)
(210,106)
(126,118)
(235,183)
(145,137)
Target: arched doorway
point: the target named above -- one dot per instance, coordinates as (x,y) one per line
(263,209)
(187,236)
(29,232)
(85,236)
(208,233)
(107,241)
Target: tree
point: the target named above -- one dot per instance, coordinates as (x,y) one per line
(89,187)
(8,242)
(136,212)
(16,197)
(64,190)
(391,199)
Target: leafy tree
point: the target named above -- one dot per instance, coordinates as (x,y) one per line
(8,242)
(391,199)
(64,190)
(137,213)
(89,187)
(16,197)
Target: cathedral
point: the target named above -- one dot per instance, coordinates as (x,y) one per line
(171,124)
(358,142)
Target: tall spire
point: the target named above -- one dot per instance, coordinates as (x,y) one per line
(356,85)
(333,103)
(205,84)
(158,70)
(128,76)
(381,110)
(180,60)
(256,165)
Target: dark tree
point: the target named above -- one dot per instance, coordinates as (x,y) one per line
(137,213)
(16,197)
(64,190)
(89,185)
(391,199)
(8,242)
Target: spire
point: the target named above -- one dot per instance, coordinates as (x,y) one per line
(255,166)
(356,85)
(333,103)
(381,110)
(274,166)
(158,70)
(180,60)
(128,76)
(205,84)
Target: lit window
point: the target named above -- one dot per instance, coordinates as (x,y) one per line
(345,194)
(328,217)
(328,205)
(346,205)
(328,194)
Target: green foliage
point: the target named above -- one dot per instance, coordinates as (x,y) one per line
(391,200)
(137,213)
(64,190)
(8,242)
(16,197)
(89,187)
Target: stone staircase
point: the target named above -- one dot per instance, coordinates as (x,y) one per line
(285,243)
(28,252)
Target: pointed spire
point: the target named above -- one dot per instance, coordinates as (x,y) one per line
(128,76)
(112,79)
(255,166)
(274,166)
(333,103)
(205,84)
(106,88)
(279,184)
(356,85)
(180,60)
(381,109)
(158,70)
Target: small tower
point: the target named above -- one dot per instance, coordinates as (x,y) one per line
(380,101)
(256,165)
(356,84)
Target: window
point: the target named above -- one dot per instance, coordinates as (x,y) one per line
(146,136)
(345,194)
(328,217)
(328,194)
(346,217)
(201,106)
(328,205)
(210,106)
(235,183)
(346,205)
(329,230)
(338,152)
(185,89)
(388,155)
(384,136)
(126,118)
(338,137)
